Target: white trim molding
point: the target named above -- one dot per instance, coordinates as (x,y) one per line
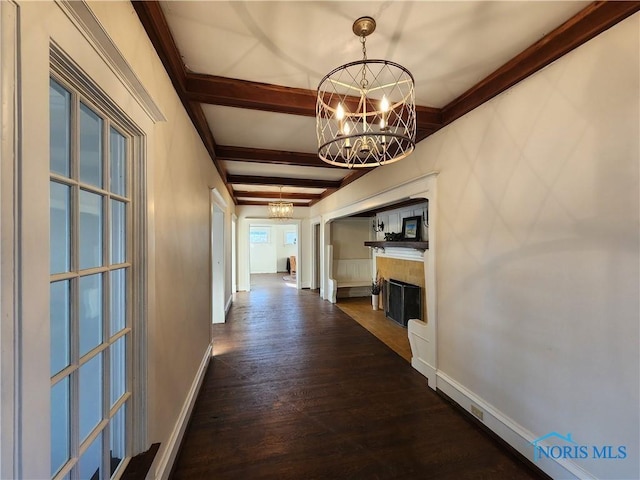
(410,254)
(81,15)
(420,348)
(163,464)
(218,199)
(227,305)
(416,188)
(9,239)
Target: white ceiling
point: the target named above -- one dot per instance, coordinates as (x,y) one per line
(268,170)
(448,46)
(267,188)
(253,128)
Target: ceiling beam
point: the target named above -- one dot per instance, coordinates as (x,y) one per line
(231,92)
(428,118)
(582,27)
(355,174)
(277,195)
(261,155)
(155,24)
(264,204)
(282,181)
(254,95)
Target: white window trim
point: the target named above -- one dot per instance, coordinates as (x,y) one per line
(81,15)
(9,237)
(66,69)
(25,72)
(81,98)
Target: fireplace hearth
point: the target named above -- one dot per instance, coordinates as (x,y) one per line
(403,301)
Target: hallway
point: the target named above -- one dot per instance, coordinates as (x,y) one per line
(299,390)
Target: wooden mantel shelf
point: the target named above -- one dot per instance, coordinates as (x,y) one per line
(403,244)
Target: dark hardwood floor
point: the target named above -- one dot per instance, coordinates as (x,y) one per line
(299,390)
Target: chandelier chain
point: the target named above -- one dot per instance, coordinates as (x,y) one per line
(364,83)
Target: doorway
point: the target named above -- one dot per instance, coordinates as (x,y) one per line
(315,265)
(274,248)
(234,263)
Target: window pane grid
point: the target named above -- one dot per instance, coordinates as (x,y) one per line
(62,179)
(65,472)
(113,196)
(60,409)
(91,354)
(60,128)
(100,191)
(91,152)
(60,332)
(60,231)
(91,462)
(100,177)
(119,334)
(57,277)
(116,406)
(69,181)
(93,434)
(92,312)
(81,446)
(68,371)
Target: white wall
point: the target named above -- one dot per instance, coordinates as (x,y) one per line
(348,236)
(272,257)
(179,330)
(263,256)
(537,264)
(283,250)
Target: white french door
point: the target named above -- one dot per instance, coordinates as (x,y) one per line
(90,293)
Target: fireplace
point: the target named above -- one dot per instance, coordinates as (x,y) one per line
(403,301)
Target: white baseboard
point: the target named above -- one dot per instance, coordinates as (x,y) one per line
(511,432)
(169,453)
(425,369)
(228,304)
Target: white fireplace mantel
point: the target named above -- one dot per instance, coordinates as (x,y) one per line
(402,253)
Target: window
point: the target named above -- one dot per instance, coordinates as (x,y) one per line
(260,235)
(290,238)
(90,287)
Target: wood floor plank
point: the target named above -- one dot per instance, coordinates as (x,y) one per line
(299,390)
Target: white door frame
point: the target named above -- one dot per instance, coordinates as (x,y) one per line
(314,281)
(9,241)
(217,277)
(234,253)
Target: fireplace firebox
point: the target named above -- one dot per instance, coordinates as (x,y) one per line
(403,301)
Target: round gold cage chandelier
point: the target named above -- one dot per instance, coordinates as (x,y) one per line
(280,210)
(365,110)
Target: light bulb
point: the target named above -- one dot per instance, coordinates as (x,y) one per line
(384,106)
(340,117)
(347,142)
